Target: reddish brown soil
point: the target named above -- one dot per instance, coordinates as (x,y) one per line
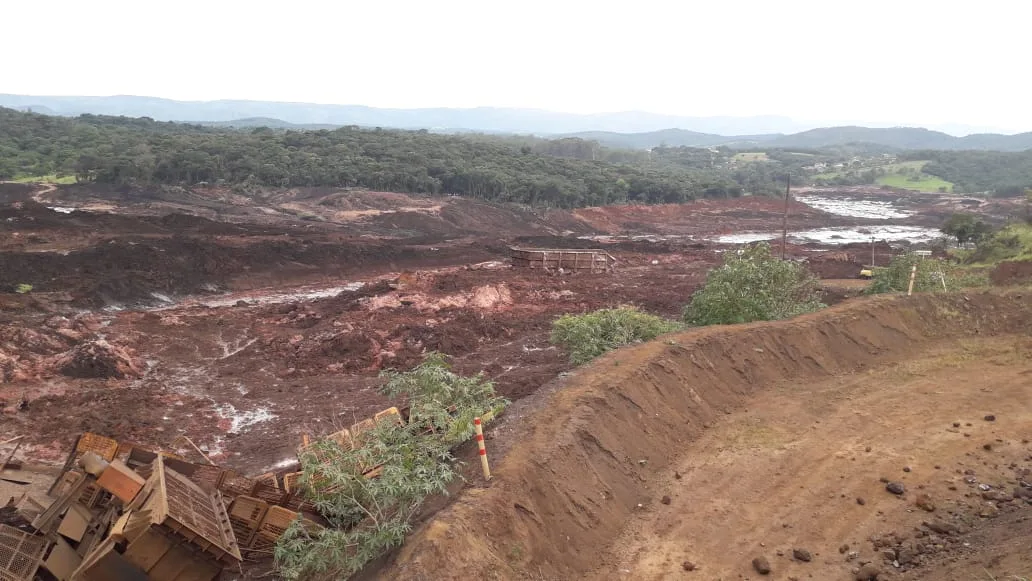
(763,437)
(247,376)
(1012,272)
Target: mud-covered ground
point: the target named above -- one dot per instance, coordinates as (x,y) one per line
(244,320)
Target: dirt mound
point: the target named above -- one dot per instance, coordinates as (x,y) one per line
(564,494)
(841,265)
(102,360)
(1012,272)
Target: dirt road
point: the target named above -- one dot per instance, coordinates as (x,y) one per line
(787,472)
(776,431)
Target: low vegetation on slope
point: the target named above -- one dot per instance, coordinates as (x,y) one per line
(1012,242)
(369,515)
(590,335)
(754,285)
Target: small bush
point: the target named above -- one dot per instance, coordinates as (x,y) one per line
(589,335)
(753,285)
(22,288)
(369,516)
(441,400)
(932,276)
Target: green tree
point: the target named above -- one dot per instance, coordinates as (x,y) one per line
(753,285)
(966,228)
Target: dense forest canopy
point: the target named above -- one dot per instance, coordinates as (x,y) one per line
(562,173)
(1003,173)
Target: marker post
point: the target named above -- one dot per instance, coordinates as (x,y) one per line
(481,449)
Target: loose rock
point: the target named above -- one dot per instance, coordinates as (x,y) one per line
(990,418)
(665,500)
(896,488)
(860,500)
(925,502)
(868,572)
(762,565)
(688,566)
(802,555)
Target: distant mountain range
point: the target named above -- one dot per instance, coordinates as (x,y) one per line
(897,138)
(632,129)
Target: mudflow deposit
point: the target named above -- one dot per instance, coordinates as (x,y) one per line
(883,438)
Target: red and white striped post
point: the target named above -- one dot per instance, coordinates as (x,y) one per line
(481,449)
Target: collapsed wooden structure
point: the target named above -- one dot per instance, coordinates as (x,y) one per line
(563,259)
(142,515)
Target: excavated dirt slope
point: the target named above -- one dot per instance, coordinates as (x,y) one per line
(565,503)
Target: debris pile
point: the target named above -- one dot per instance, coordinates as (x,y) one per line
(100,359)
(125,513)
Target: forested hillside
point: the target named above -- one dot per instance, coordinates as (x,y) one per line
(1004,173)
(563,173)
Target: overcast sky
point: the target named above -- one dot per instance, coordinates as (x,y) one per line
(902,61)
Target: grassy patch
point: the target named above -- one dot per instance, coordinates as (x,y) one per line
(50,179)
(747,156)
(921,182)
(905,174)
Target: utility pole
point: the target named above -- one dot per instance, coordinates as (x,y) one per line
(784,219)
(872,251)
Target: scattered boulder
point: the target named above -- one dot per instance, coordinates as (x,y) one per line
(990,418)
(802,555)
(989,510)
(925,502)
(896,488)
(942,527)
(665,499)
(762,565)
(688,566)
(860,500)
(868,572)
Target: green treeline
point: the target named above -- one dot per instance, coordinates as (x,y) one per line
(558,173)
(1003,173)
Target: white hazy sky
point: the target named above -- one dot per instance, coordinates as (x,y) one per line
(901,61)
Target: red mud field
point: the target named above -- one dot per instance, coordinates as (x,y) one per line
(247,321)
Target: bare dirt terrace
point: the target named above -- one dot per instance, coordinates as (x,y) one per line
(245,322)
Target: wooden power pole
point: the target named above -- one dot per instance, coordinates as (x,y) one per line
(784,219)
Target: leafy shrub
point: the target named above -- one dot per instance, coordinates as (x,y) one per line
(753,285)
(589,335)
(442,400)
(22,288)
(369,516)
(932,275)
